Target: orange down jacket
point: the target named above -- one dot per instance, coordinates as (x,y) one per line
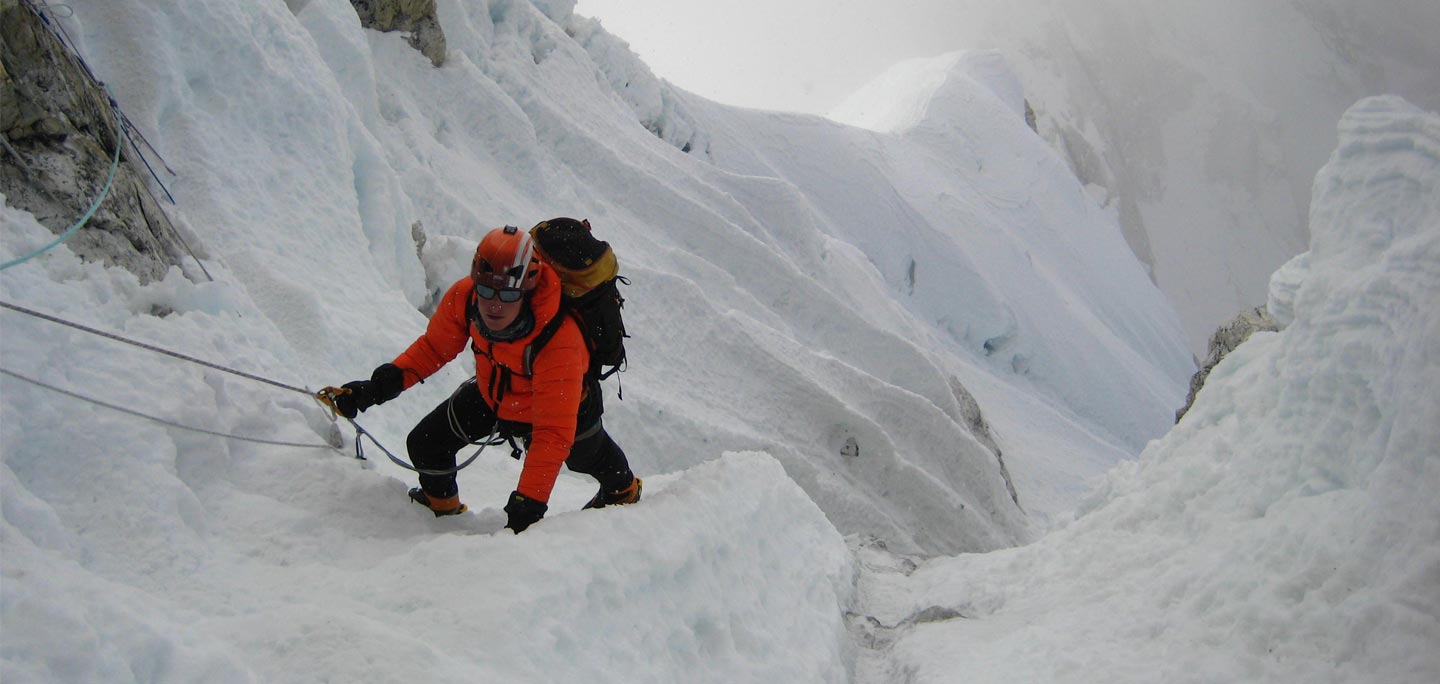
(548,399)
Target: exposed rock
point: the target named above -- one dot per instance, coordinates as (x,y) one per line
(1222,342)
(975,421)
(58,135)
(414,17)
(417,233)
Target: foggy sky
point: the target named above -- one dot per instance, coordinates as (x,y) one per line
(808,55)
(800,55)
(1202,123)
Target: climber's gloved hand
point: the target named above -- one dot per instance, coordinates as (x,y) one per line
(354,398)
(523,512)
(386,383)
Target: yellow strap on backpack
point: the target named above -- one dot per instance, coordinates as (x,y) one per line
(578,282)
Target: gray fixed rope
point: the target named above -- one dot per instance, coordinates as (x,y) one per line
(151,347)
(167,352)
(162,421)
(322,396)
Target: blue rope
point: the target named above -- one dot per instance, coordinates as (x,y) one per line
(114,164)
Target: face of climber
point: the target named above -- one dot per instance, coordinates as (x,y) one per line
(504,271)
(497,314)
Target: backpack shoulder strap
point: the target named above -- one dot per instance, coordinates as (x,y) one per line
(532,350)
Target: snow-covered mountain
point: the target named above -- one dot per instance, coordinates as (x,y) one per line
(1285,529)
(913,282)
(849,349)
(1201,124)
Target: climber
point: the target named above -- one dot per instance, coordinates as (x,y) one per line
(500,310)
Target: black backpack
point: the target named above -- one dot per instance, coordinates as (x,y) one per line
(589,276)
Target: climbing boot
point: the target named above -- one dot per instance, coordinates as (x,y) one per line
(439,507)
(625,495)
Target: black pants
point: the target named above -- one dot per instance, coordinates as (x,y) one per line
(464,418)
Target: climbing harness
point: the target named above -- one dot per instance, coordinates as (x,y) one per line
(499,435)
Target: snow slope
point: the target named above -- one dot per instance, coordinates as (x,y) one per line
(1272,536)
(797,286)
(307,147)
(1286,529)
(968,207)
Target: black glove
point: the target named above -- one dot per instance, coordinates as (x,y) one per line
(523,511)
(386,383)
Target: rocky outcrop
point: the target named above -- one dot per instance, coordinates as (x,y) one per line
(414,17)
(980,428)
(1222,342)
(58,134)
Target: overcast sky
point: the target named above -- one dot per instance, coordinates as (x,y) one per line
(793,55)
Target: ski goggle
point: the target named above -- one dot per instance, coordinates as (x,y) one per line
(507,295)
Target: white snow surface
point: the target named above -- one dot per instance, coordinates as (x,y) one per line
(796,284)
(1286,529)
(900,98)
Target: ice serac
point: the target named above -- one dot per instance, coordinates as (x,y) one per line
(655,104)
(1285,529)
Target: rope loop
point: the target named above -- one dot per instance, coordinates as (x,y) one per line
(326,398)
(361,432)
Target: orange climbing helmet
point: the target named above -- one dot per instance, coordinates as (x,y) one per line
(505,265)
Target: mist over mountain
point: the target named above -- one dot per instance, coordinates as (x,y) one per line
(1200,124)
